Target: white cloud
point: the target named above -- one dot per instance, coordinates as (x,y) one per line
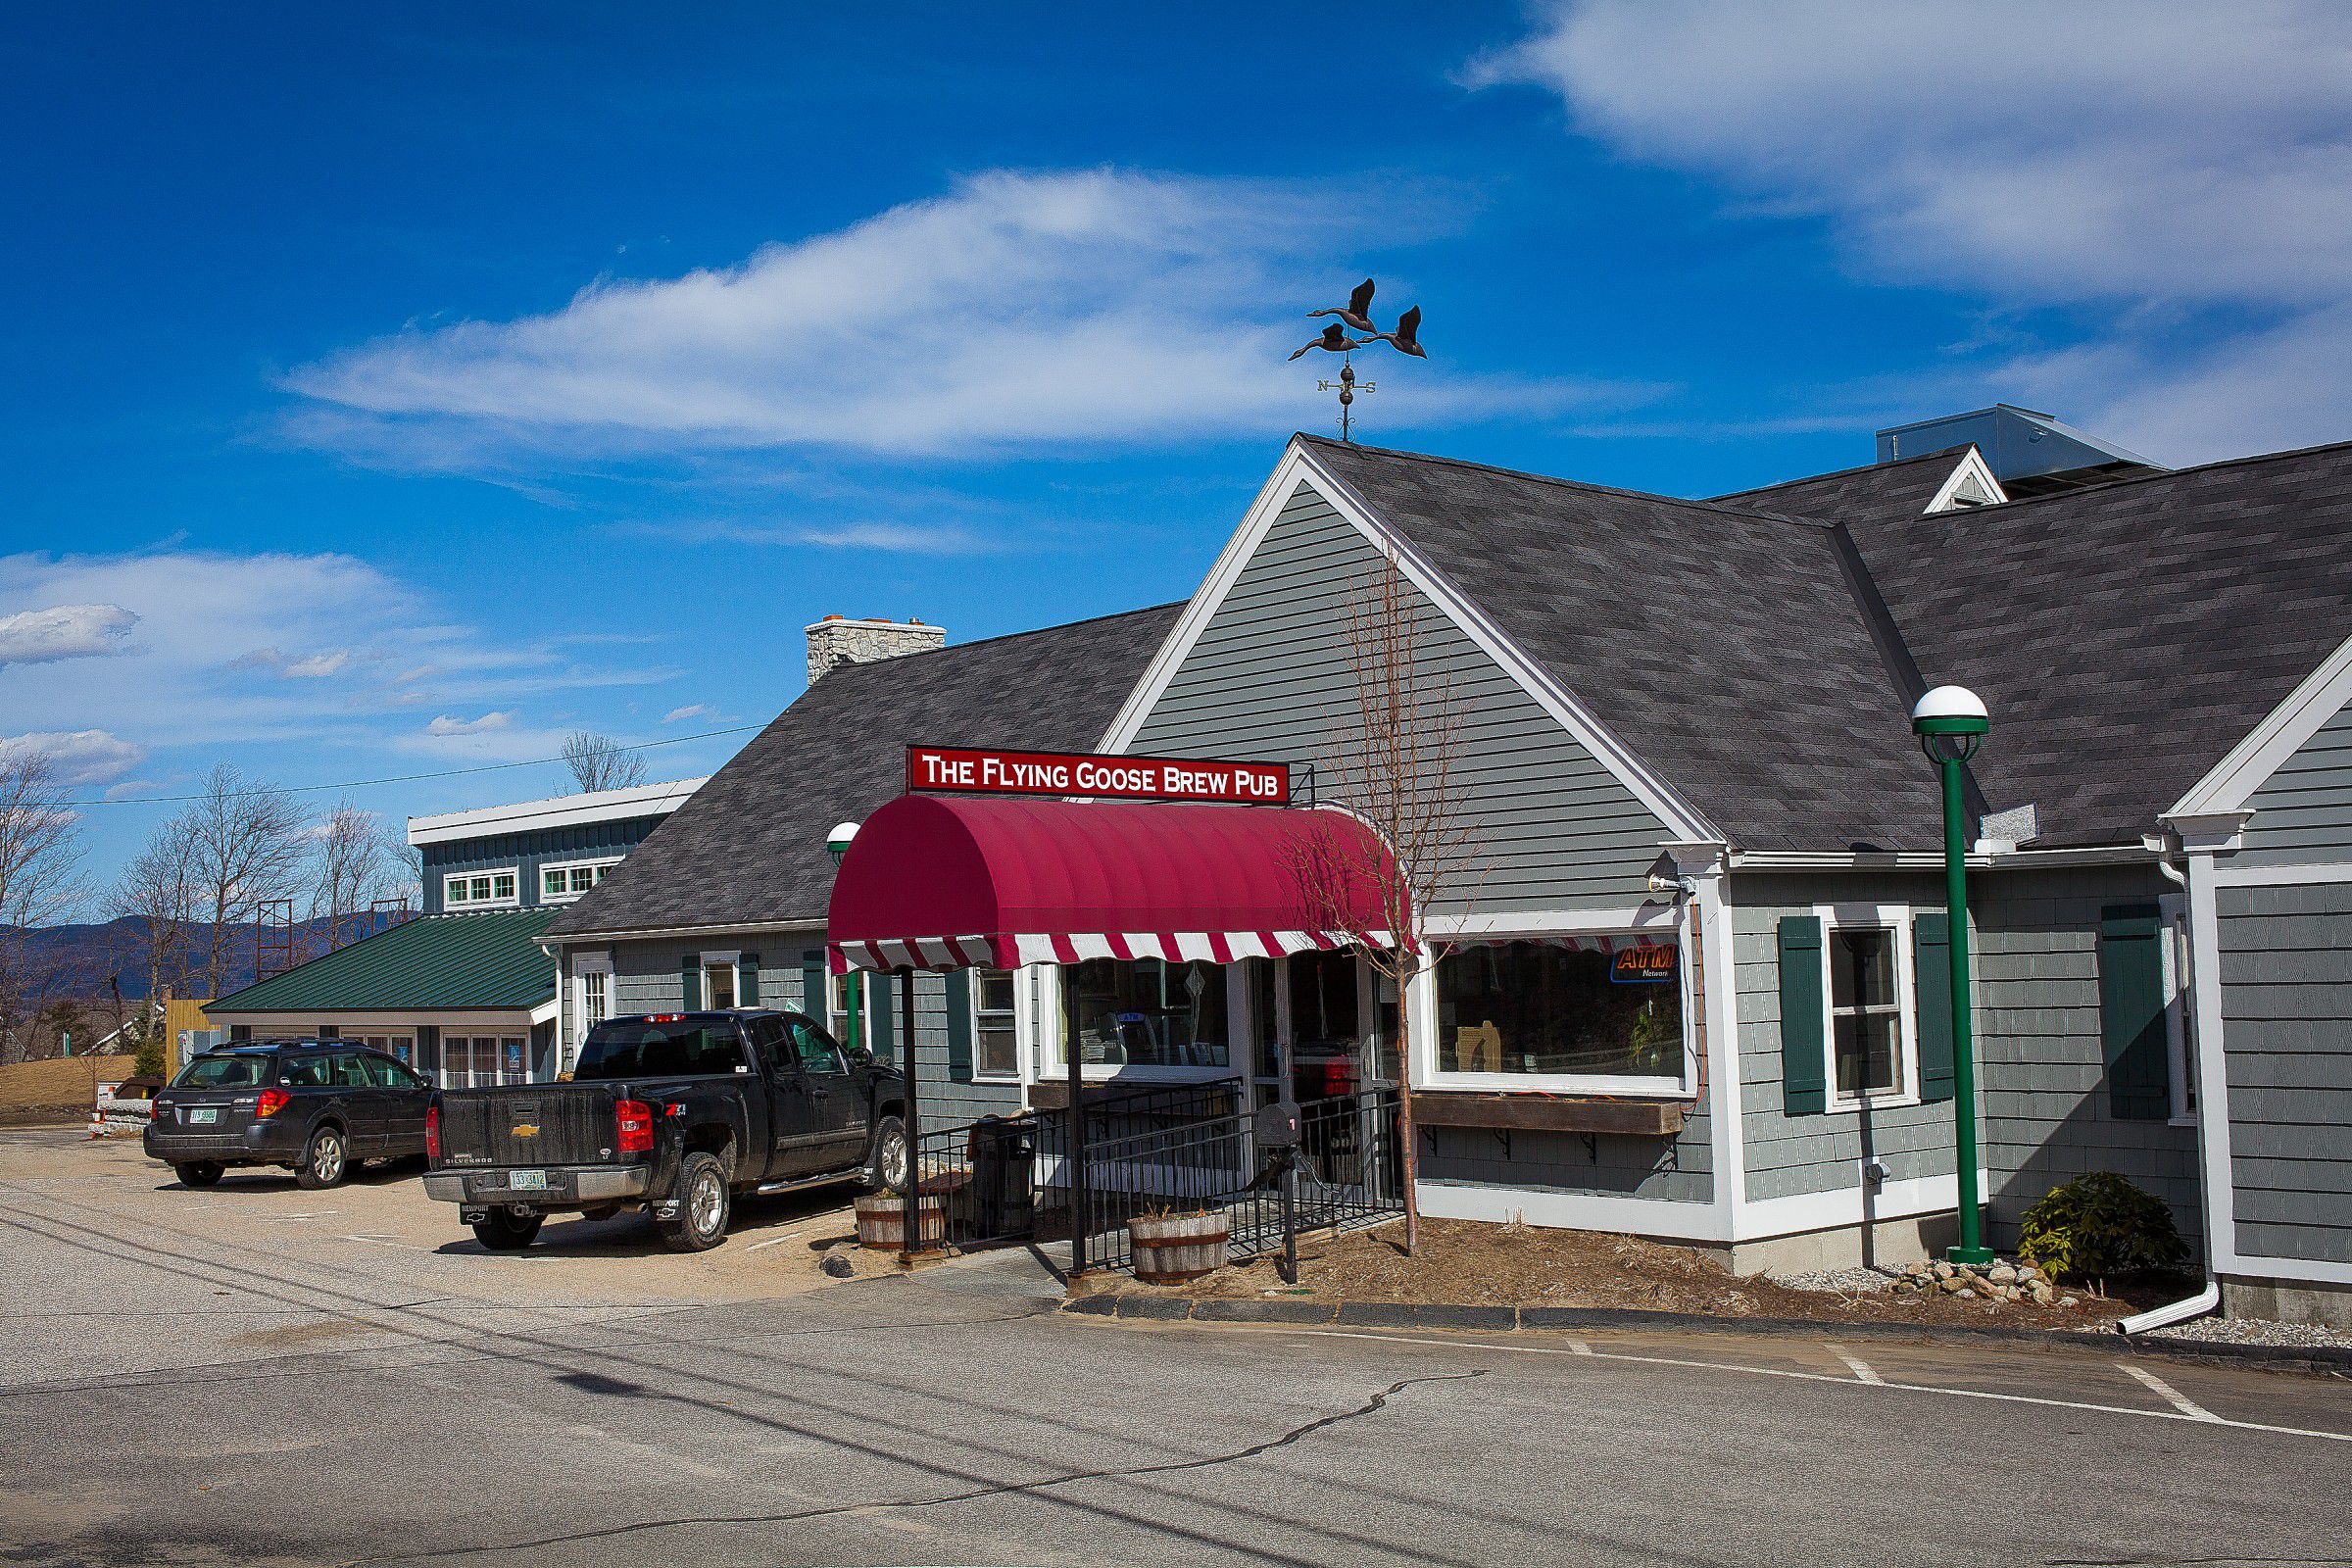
(1092,307)
(309,666)
(2185,169)
(692,710)
(64,631)
(76,757)
(445,724)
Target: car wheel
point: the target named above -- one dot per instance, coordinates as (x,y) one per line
(886,1161)
(505,1230)
(704,1200)
(198,1172)
(325,1163)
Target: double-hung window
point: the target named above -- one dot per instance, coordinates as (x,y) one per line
(995,1038)
(1869,1035)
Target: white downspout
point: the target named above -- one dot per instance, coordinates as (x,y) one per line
(2206,1299)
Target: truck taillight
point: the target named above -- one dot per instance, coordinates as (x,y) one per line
(273,1101)
(633,1121)
(432,1131)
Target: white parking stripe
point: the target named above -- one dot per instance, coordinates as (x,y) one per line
(773,1241)
(1579,1347)
(2168,1394)
(2141,1412)
(1861,1369)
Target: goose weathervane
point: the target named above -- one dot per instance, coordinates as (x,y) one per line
(1356,316)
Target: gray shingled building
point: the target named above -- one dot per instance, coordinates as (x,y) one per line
(2161,908)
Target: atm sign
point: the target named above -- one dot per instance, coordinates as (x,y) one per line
(1643,967)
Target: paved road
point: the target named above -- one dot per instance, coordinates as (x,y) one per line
(952,1417)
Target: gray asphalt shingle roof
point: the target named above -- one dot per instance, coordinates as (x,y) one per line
(748,848)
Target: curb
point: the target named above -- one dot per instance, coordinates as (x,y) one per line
(1568,1319)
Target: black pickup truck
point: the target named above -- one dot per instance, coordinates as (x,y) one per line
(674,1113)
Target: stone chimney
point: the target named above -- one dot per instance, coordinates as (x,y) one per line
(838,640)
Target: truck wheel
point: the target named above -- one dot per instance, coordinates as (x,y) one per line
(198,1172)
(703,1203)
(323,1161)
(504,1230)
(886,1161)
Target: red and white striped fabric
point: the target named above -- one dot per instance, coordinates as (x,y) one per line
(1008,951)
(938,882)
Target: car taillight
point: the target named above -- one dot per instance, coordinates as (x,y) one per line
(633,1121)
(273,1101)
(432,1131)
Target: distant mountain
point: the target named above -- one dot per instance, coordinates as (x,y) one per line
(116,949)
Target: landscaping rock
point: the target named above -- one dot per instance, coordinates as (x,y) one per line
(2002,1274)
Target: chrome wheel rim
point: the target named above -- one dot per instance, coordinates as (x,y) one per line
(894,1161)
(704,1203)
(327,1159)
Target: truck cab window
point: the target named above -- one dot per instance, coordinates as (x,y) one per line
(817,1052)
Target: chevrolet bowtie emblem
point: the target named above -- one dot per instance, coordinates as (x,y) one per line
(525,1130)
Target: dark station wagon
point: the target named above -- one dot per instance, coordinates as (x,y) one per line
(318,1108)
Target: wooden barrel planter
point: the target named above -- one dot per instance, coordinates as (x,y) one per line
(1170,1248)
(882,1222)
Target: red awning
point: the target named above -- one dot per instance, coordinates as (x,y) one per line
(938,882)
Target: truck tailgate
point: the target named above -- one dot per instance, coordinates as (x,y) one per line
(529,1124)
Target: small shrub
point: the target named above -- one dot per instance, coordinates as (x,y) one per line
(148,1060)
(2097,1225)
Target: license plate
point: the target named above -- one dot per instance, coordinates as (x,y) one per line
(527,1181)
(203,1114)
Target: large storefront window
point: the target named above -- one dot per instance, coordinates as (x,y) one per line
(1535,1009)
(1144,1013)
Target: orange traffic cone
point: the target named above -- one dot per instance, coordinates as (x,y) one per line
(97,1124)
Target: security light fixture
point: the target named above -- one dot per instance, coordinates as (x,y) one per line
(1667,880)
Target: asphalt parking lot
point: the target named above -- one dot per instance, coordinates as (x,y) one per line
(245,1375)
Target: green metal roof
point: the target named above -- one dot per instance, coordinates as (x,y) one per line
(452,962)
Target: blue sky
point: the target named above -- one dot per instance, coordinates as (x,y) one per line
(398,388)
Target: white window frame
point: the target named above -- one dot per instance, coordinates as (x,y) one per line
(1011,1017)
(1431,1073)
(513,901)
(1898,921)
(1054,1067)
(600,866)
(732,961)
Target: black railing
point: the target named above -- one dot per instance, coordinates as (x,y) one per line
(1172,1149)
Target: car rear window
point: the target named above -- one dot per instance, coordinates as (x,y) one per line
(639,1048)
(227,1072)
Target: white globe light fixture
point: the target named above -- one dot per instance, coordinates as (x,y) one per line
(836,842)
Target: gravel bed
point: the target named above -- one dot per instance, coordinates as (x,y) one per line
(2254,1331)
(1842,1281)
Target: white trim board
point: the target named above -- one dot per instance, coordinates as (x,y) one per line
(1580,1212)
(2280,734)
(563,810)
(1764,1219)
(1682,819)
(1972,470)
(2277,876)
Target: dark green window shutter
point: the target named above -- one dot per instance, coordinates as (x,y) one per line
(959,1024)
(2139,1080)
(1932,990)
(881,1013)
(690,983)
(813,987)
(1804,1060)
(747,980)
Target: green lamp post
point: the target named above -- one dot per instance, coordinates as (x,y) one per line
(1951,722)
(837,845)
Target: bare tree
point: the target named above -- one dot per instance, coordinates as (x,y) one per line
(247,848)
(352,865)
(158,896)
(600,763)
(38,887)
(1392,761)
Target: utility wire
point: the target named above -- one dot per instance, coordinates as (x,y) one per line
(398,778)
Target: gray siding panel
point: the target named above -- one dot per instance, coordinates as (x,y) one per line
(2286,1010)
(587,841)
(2303,811)
(1269,679)
(2042,1066)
